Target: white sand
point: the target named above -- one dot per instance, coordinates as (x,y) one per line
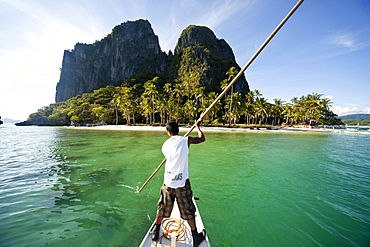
(205,129)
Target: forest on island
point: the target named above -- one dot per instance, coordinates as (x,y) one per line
(156,101)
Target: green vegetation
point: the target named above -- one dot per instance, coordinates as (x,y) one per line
(356,119)
(361,122)
(156,101)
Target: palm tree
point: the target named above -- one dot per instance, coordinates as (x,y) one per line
(178,93)
(248,112)
(261,107)
(199,99)
(249,107)
(126,103)
(288,112)
(257,94)
(250,96)
(235,107)
(116,101)
(311,110)
(277,109)
(190,110)
(169,98)
(149,98)
(308,108)
(295,110)
(145,105)
(231,73)
(208,100)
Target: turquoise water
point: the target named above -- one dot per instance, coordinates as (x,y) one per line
(68,187)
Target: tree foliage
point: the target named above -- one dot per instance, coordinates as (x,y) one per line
(141,100)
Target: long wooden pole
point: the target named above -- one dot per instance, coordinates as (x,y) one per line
(269,38)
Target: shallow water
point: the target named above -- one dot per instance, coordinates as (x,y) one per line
(68,187)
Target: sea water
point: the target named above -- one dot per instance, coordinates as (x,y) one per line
(74,187)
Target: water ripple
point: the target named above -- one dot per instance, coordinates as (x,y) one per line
(63,187)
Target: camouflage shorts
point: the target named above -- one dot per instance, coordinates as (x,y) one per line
(184,197)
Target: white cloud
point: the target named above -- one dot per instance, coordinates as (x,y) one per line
(220,11)
(29,72)
(367,110)
(347,110)
(271,100)
(193,12)
(346,40)
(329,97)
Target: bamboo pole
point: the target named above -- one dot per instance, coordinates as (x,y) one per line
(269,38)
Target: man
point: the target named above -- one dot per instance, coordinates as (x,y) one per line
(176,181)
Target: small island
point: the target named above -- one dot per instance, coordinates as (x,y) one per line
(125,79)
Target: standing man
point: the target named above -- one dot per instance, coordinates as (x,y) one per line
(176,181)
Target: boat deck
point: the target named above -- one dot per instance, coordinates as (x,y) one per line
(181,231)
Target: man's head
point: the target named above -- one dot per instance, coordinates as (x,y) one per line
(173,128)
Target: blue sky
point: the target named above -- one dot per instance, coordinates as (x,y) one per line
(324,47)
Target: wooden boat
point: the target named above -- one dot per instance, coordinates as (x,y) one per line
(178,233)
(357,128)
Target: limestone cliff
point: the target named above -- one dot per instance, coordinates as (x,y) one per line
(132,48)
(215,54)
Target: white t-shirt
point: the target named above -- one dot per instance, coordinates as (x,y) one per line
(176,150)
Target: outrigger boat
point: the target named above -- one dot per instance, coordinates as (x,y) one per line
(175,232)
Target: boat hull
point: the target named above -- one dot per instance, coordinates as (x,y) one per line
(180,228)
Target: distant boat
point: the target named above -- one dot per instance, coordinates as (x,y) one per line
(357,128)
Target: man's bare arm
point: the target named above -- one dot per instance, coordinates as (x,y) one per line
(196,140)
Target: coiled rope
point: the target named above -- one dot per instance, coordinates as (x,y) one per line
(169,226)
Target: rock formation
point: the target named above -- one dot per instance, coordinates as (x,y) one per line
(132,48)
(215,54)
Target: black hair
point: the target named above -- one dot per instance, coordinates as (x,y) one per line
(173,128)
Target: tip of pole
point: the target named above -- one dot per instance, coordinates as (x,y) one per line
(137,192)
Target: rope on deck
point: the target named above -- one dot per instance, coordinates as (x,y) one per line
(172,225)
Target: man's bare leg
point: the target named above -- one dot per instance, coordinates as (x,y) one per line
(158,219)
(192,224)
(197,237)
(156,227)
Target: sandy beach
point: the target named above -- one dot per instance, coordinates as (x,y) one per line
(205,129)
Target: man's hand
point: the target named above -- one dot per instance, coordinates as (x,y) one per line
(198,122)
(201,138)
